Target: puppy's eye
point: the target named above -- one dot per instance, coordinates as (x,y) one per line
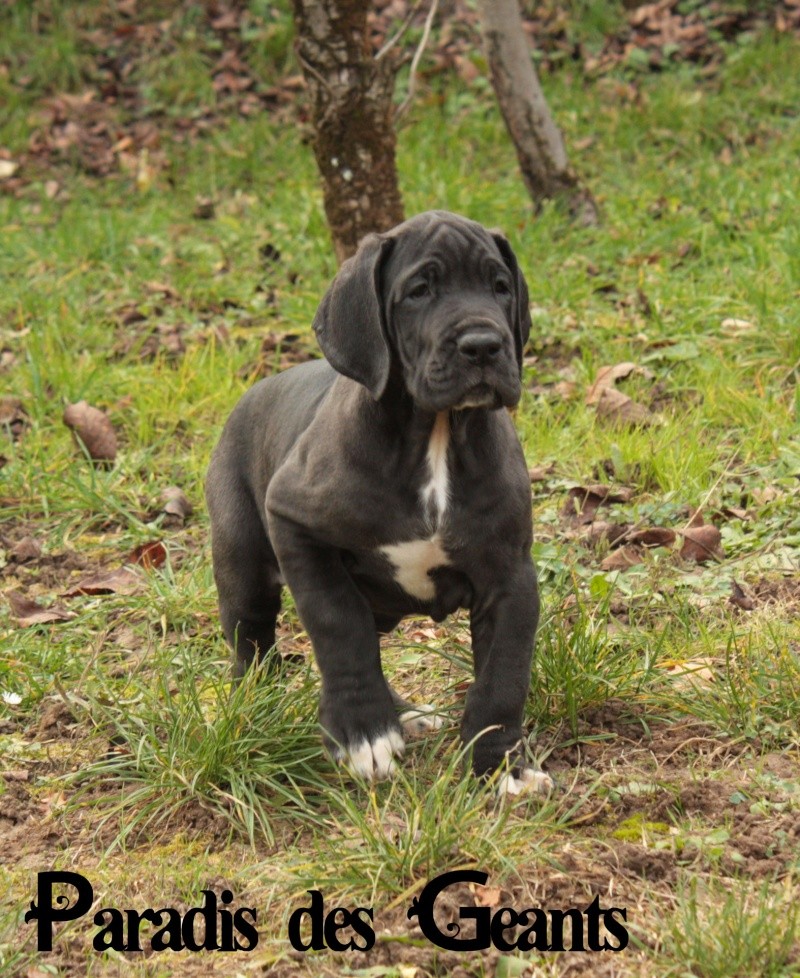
(419,291)
(501,287)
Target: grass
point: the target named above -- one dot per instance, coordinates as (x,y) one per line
(250,754)
(648,683)
(723,934)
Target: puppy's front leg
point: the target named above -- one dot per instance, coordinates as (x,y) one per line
(503,621)
(357,713)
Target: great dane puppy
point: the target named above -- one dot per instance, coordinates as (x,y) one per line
(387,480)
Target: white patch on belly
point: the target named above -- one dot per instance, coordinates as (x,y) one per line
(412,561)
(436,490)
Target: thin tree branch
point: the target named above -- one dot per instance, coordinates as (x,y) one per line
(313,71)
(412,75)
(400,31)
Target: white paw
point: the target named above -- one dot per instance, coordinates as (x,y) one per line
(421,720)
(373,759)
(530,782)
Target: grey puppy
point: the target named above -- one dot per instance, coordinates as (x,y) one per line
(387,480)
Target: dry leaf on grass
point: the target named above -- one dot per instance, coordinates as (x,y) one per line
(653,536)
(701,669)
(622,558)
(26,549)
(148,555)
(541,473)
(123,580)
(565,389)
(739,598)
(607,377)
(583,501)
(162,289)
(93,428)
(28,612)
(13,416)
(176,504)
(485,896)
(601,531)
(736,327)
(702,544)
(205,209)
(613,405)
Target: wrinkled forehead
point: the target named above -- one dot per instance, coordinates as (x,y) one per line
(457,247)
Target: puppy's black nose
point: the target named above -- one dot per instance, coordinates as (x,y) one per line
(479,346)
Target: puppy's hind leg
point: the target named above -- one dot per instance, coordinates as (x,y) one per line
(247,576)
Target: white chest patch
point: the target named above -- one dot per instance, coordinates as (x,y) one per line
(412,561)
(436,490)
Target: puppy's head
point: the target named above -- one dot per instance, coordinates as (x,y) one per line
(439,299)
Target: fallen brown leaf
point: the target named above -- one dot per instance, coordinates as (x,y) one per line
(653,536)
(615,406)
(176,504)
(26,549)
(123,580)
(28,612)
(765,494)
(622,558)
(130,314)
(608,376)
(702,544)
(541,473)
(423,635)
(163,289)
(13,416)
(602,532)
(148,555)
(94,429)
(733,513)
(735,327)
(227,20)
(486,896)
(583,501)
(689,670)
(565,389)
(739,599)
(205,208)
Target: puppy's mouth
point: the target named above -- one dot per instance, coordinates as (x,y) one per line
(487,393)
(481,395)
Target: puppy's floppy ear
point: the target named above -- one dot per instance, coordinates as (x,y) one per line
(522,313)
(350,323)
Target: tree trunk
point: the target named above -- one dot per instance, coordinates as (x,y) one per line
(354,138)
(537,139)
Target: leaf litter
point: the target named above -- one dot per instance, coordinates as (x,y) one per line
(109,128)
